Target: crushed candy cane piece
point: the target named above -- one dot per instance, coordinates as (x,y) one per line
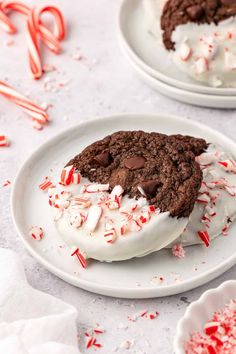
(76,178)
(66,175)
(94,215)
(46,184)
(80,255)
(211,327)
(61,204)
(4,142)
(6,183)
(81,202)
(206,158)
(36,232)
(77,219)
(203,198)
(185,52)
(99,330)
(178,251)
(204,236)
(228,165)
(36,112)
(96,188)
(117,190)
(218,334)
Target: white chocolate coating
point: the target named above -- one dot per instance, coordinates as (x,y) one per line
(222,199)
(154,235)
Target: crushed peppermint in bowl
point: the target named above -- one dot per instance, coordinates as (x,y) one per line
(209,324)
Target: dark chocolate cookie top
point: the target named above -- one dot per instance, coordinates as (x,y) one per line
(163,167)
(180,12)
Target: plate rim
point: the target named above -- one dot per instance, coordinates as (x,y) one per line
(181,95)
(157,75)
(131,293)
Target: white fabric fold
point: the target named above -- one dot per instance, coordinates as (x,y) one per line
(32,322)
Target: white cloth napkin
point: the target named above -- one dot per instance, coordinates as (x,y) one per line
(32,322)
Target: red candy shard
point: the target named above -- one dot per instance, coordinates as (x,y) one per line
(204,236)
(80,255)
(66,175)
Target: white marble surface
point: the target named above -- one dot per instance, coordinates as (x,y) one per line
(101,83)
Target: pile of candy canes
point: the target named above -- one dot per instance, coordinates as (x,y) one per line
(37,32)
(82,210)
(219,335)
(210,191)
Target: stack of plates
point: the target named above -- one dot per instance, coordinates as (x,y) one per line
(154,66)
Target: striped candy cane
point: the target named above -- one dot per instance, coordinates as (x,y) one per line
(34,111)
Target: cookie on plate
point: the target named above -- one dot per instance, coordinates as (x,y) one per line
(128,195)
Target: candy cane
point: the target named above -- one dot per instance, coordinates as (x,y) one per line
(35,30)
(36,113)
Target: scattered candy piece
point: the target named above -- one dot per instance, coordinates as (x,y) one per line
(4,142)
(6,183)
(185,52)
(46,184)
(66,175)
(76,178)
(94,214)
(218,335)
(36,232)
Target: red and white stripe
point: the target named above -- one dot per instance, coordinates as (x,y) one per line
(75,251)
(94,215)
(76,178)
(95,188)
(211,327)
(46,184)
(66,175)
(34,111)
(4,142)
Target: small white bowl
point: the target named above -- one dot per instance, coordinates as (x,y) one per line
(201,311)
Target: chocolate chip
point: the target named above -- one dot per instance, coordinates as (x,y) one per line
(104,159)
(195,12)
(150,187)
(134,163)
(228,2)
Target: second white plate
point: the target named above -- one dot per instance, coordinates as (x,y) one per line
(129,279)
(151,57)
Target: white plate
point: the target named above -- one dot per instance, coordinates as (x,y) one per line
(194,98)
(201,311)
(145,51)
(130,279)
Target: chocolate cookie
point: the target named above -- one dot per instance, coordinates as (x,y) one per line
(161,167)
(180,12)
